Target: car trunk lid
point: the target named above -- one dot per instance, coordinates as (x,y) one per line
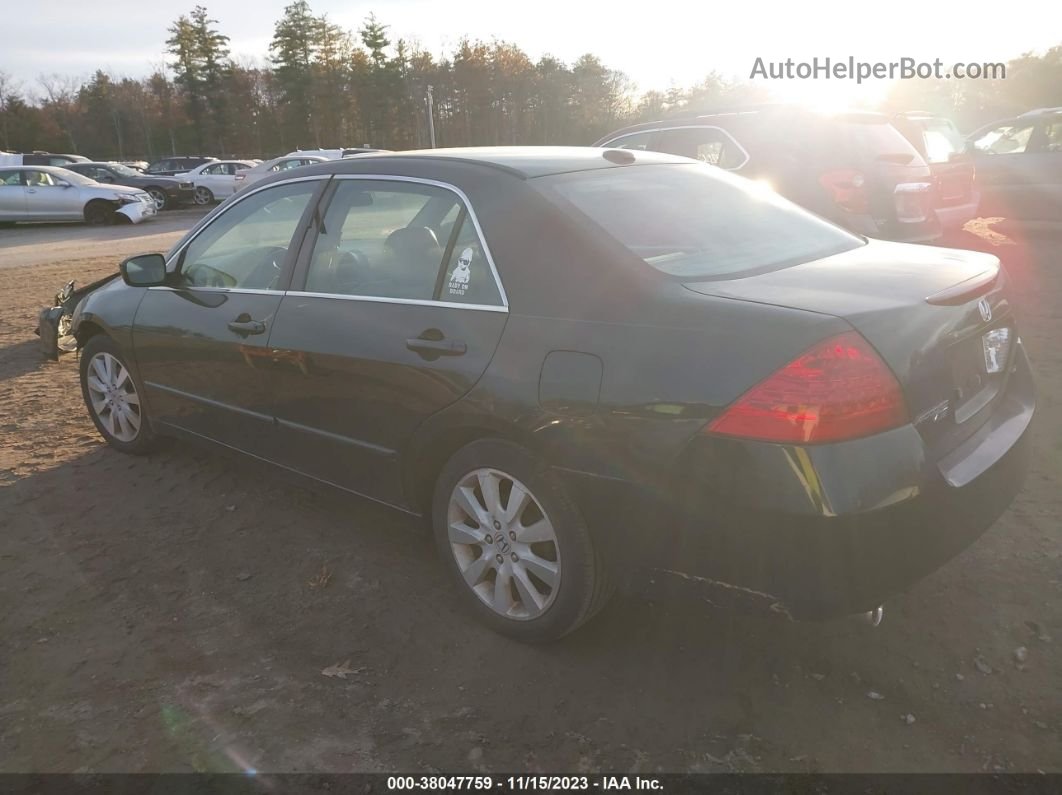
(927,311)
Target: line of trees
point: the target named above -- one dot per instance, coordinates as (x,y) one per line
(323,86)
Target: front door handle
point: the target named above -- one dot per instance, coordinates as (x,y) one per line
(245,327)
(434,348)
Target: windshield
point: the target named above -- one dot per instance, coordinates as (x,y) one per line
(697,222)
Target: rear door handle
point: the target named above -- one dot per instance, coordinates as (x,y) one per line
(247,327)
(436,347)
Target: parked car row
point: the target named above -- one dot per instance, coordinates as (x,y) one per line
(907,177)
(50,193)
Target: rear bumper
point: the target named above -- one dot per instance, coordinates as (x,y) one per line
(818,531)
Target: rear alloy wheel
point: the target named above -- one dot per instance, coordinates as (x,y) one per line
(159,197)
(517,546)
(112,397)
(203,196)
(98,214)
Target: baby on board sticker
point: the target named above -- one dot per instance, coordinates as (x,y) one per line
(462,273)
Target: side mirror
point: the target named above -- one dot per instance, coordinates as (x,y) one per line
(144,270)
(107,178)
(62,183)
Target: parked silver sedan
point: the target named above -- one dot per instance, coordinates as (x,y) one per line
(49,193)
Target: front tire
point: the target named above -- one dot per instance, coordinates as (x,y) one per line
(515,543)
(203,196)
(98,213)
(158,195)
(114,398)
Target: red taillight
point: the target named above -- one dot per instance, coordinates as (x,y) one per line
(846,188)
(840,389)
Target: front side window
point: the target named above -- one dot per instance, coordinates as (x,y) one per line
(11,178)
(212,170)
(382,239)
(42,179)
(693,222)
(246,247)
(1007,139)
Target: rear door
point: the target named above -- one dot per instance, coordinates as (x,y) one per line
(395,312)
(12,195)
(201,344)
(1045,156)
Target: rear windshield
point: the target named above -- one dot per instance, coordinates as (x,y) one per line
(698,222)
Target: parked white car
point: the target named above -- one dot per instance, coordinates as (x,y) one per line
(286,163)
(215,180)
(50,193)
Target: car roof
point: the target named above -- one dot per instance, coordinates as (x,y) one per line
(526,162)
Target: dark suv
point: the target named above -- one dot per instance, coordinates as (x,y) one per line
(1019,166)
(853,168)
(168,166)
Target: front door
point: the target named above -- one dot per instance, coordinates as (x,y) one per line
(47,200)
(201,344)
(395,313)
(1007,170)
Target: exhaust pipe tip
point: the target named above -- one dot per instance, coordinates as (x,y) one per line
(874,617)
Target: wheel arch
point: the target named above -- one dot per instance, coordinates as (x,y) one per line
(435,446)
(86,330)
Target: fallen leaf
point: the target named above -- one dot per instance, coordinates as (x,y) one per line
(321,579)
(341,670)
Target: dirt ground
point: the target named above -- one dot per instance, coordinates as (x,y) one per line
(185,611)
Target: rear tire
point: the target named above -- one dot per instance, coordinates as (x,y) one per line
(515,543)
(98,213)
(114,397)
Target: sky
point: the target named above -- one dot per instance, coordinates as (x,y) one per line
(658,44)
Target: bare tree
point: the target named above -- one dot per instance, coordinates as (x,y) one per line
(61,94)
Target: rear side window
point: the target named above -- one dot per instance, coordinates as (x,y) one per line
(633,141)
(380,239)
(710,145)
(695,223)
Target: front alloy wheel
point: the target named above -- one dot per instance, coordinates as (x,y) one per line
(504,544)
(203,196)
(113,397)
(159,197)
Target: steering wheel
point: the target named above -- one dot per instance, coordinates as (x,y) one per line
(268,271)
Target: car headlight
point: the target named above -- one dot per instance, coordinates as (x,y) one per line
(127,198)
